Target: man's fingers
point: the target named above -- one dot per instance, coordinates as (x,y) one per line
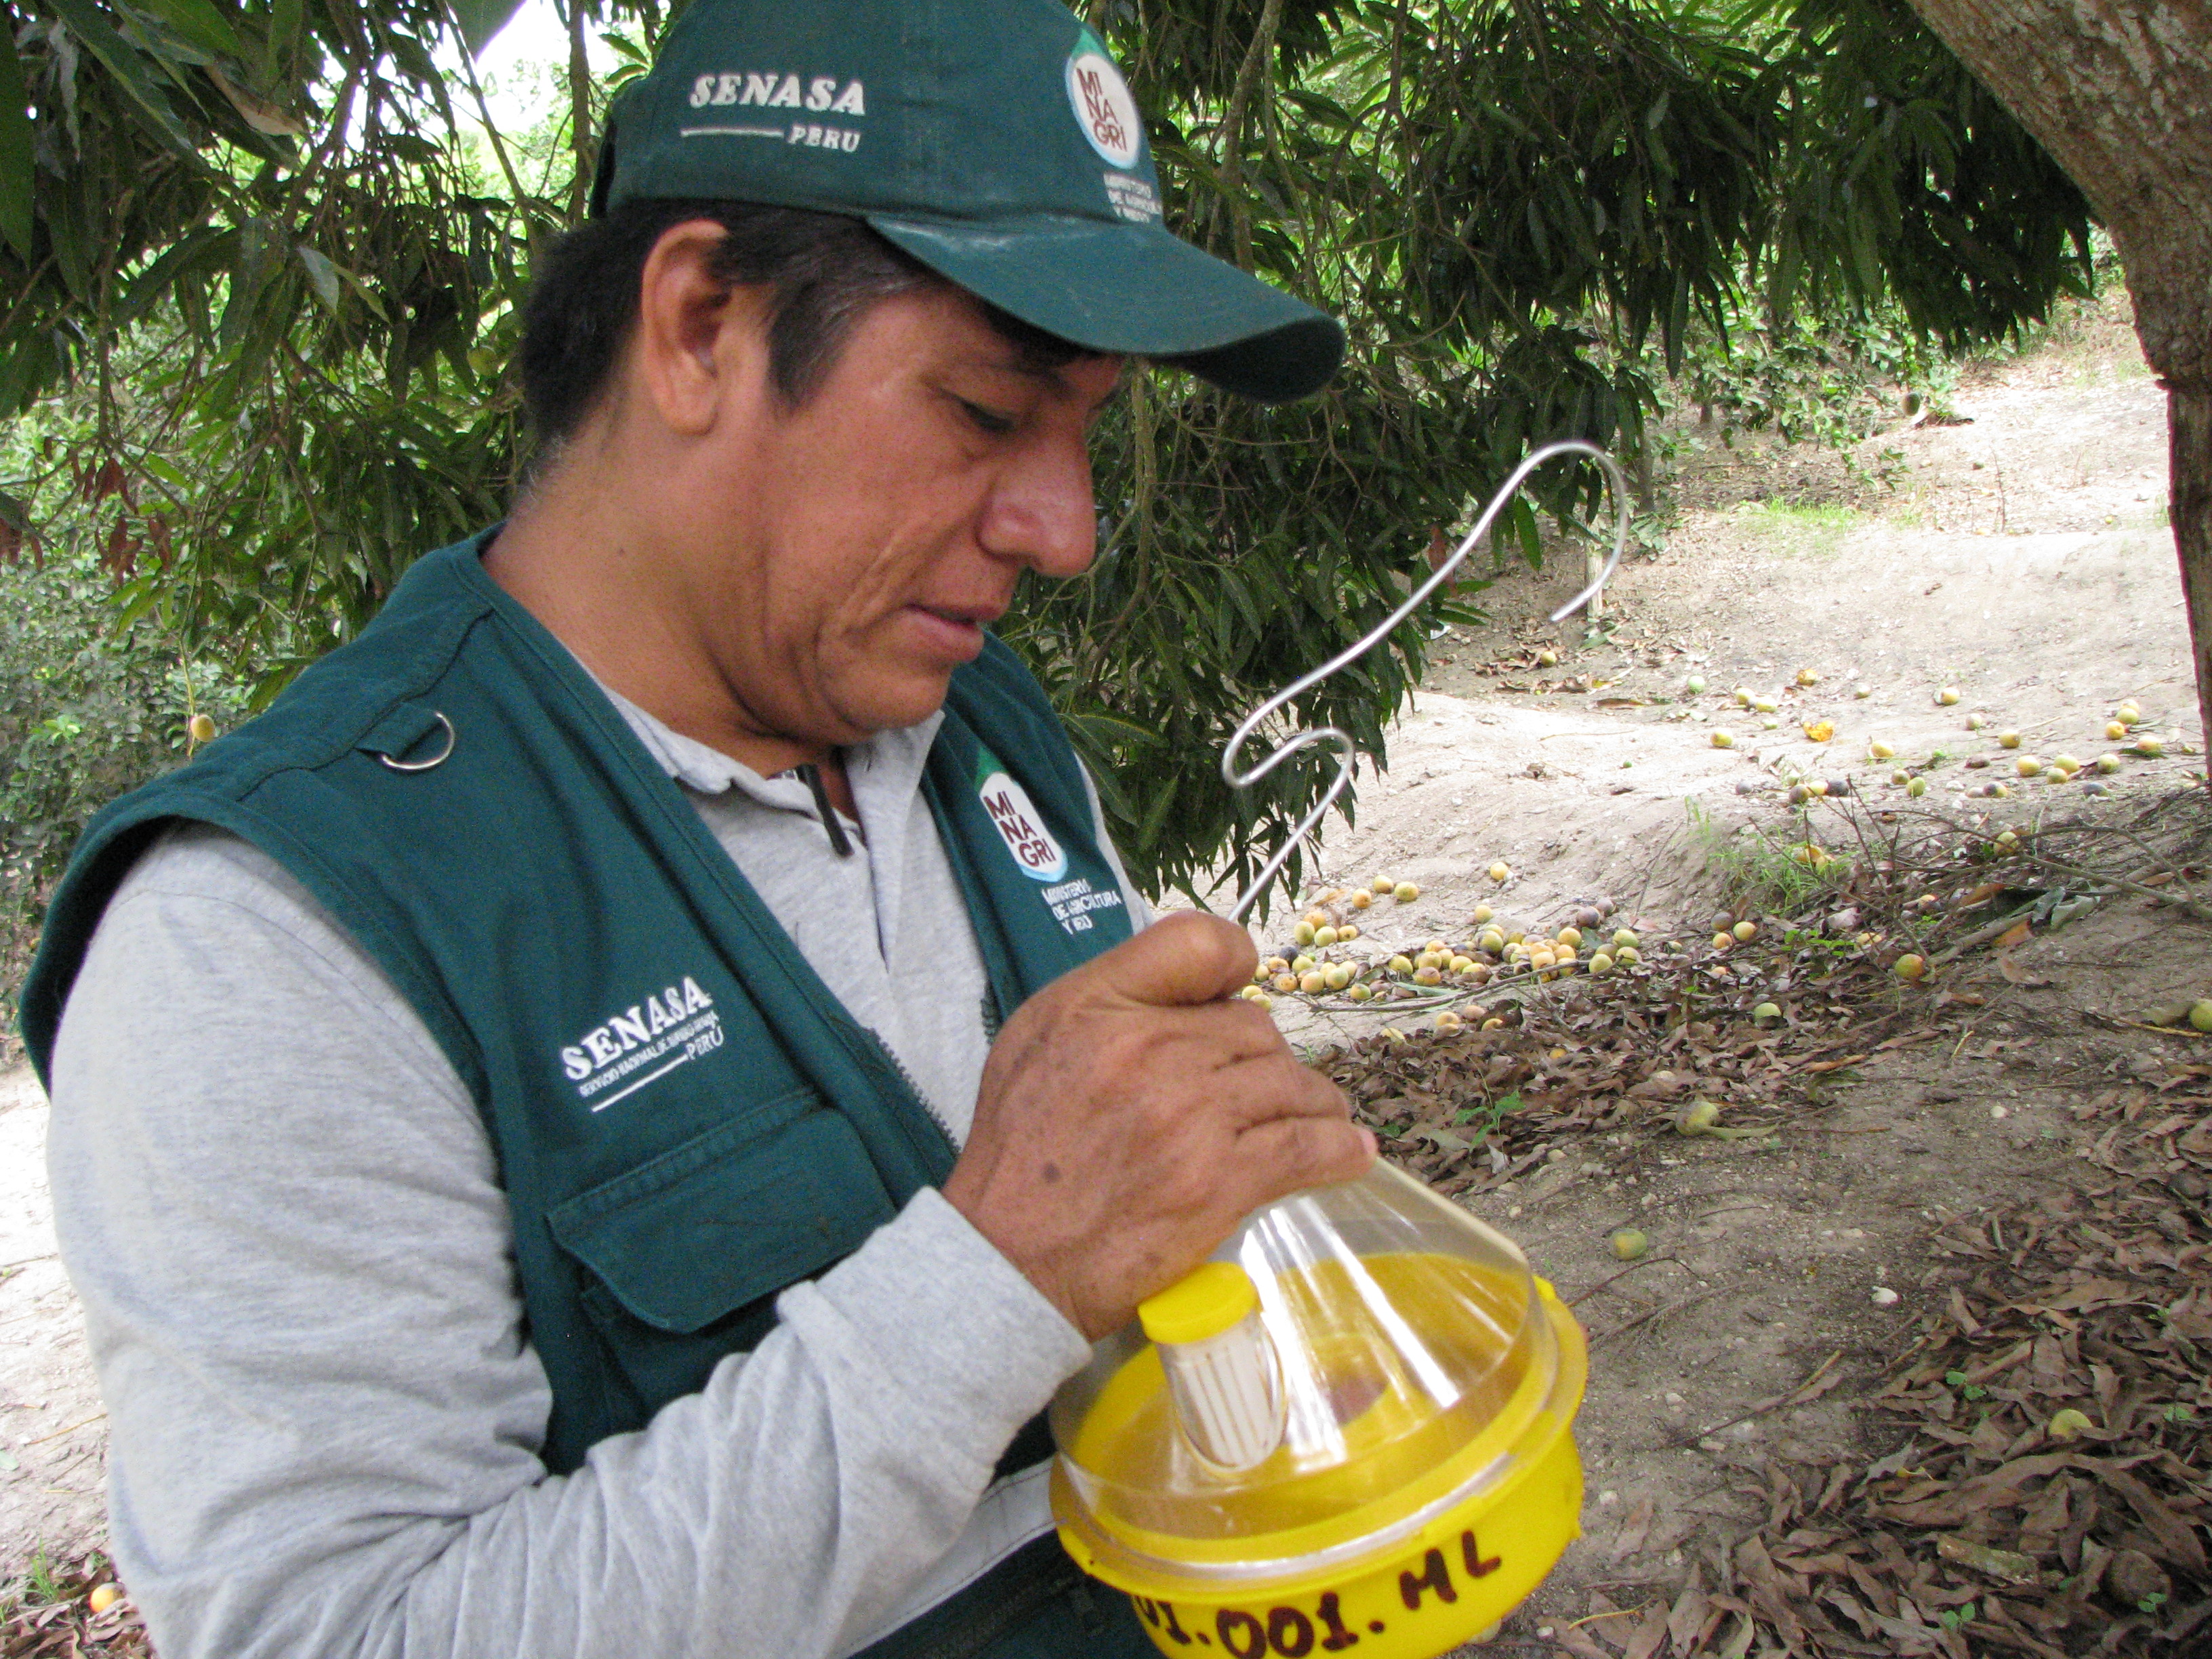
(1288,1154)
(1275,1085)
(1179,961)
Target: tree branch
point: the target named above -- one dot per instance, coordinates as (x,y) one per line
(1232,123)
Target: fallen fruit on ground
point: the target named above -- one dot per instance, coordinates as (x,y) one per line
(1948,696)
(2028,766)
(1622,936)
(2200,1014)
(2068,1424)
(1324,937)
(1916,788)
(1401,965)
(104,1596)
(1601,963)
(1863,691)
(1303,933)
(1820,731)
(1745,931)
(1697,1118)
(1910,966)
(1722,941)
(1405,892)
(1975,722)
(1483,912)
(1723,738)
(1630,1245)
(2107,763)
(1694,685)
(1498,872)
(1766,1011)
(1879,751)
(1807,677)
(2150,745)
(2008,739)
(1449,1021)
(1361,898)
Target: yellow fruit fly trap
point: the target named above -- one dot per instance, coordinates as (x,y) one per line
(1354,1426)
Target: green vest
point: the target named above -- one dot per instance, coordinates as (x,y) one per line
(686,1120)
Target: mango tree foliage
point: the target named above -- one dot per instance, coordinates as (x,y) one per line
(261,260)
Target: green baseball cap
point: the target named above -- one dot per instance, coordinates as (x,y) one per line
(993,140)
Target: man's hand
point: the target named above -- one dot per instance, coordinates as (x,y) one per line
(1130,1116)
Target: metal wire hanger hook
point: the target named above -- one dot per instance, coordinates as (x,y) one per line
(1336,737)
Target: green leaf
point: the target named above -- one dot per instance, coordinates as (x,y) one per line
(480,19)
(130,68)
(322,274)
(199,22)
(17,163)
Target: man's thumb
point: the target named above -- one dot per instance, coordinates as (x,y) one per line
(1179,961)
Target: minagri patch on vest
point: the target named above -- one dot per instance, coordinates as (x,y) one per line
(1036,853)
(675,1027)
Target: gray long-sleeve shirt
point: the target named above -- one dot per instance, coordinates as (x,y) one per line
(281,1211)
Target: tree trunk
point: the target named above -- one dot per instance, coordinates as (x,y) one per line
(2120,93)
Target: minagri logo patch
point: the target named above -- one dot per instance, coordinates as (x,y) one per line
(645,1042)
(1104,108)
(1020,825)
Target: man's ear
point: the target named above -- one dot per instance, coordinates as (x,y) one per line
(700,344)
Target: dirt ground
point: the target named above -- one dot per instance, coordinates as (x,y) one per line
(2020,557)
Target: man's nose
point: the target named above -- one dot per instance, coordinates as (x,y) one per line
(1040,510)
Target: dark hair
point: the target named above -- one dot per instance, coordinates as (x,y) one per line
(827,271)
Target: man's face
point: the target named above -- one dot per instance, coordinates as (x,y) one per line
(846,557)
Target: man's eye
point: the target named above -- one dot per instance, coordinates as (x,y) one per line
(989,420)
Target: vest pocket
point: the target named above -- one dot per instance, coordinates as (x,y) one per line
(683,1255)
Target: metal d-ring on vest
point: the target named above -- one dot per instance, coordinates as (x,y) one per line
(438,759)
(1336,737)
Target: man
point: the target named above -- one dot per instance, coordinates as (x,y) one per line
(533,1129)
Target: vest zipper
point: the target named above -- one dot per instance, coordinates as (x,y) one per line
(921,1096)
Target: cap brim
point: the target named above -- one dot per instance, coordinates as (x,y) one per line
(1134,289)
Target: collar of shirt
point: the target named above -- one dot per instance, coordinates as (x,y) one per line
(886,767)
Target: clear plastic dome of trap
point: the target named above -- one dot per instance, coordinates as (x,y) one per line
(1356,1361)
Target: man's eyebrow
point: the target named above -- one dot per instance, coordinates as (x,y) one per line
(1051,374)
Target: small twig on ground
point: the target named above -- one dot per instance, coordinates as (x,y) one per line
(1656,1313)
(1764,1406)
(1576,1300)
